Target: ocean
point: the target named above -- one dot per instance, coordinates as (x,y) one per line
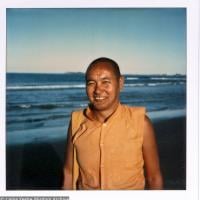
(38,106)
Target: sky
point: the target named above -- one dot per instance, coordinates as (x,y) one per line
(60,40)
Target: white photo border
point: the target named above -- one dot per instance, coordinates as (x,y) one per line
(193,43)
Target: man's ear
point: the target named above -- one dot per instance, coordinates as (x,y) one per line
(121,82)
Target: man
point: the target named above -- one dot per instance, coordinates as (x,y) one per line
(110,145)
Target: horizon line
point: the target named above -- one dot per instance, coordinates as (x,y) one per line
(51,73)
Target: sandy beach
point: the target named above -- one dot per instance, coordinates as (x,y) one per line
(38,166)
(171,139)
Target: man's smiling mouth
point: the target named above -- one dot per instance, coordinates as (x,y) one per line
(97,98)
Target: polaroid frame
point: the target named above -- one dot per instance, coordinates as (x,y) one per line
(193,42)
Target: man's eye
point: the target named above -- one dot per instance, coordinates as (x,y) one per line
(106,81)
(90,83)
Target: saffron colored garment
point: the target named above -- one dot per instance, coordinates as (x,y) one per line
(109,155)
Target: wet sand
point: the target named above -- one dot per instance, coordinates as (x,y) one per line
(38,166)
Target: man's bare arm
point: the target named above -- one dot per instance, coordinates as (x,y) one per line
(68,165)
(151,159)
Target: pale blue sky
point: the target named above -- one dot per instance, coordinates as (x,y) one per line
(142,41)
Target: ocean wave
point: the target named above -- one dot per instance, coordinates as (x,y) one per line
(37,119)
(157,115)
(40,106)
(134,84)
(44,87)
(25,106)
(157,84)
(82,85)
(158,109)
(152,84)
(83,105)
(132,78)
(168,78)
(181,83)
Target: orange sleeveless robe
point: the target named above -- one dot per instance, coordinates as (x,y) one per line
(109,155)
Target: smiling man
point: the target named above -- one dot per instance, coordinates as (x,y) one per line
(110,146)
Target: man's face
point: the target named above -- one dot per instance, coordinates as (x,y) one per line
(103,87)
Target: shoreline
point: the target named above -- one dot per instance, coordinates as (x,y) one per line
(47,134)
(38,165)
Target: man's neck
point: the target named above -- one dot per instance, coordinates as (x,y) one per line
(104,115)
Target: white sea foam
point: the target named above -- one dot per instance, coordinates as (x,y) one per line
(166,114)
(51,87)
(43,87)
(167,78)
(24,106)
(134,84)
(83,105)
(156,84)
(152,84)
(132,78)
(147,84)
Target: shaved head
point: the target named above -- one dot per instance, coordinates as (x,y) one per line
(112,64)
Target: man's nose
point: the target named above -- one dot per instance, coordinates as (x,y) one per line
(98,88)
